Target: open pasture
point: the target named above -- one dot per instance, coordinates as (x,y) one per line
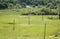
(24,30)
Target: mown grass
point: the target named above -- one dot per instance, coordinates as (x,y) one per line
(23,30)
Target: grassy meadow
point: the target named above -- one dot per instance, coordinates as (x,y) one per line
(24,30)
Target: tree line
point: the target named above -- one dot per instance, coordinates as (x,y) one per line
(48,3)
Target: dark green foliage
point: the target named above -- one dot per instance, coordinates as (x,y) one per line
(59,16)
(49,3)
(30,13)
(25,14)
(17,4)
(3,6)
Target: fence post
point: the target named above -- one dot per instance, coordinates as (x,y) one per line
(13,24)
(29,19)
(29,15)
(44,30)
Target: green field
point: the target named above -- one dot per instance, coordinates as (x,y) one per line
(29,19)
(23,30)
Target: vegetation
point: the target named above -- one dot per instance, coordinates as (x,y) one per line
(26,19)
(23,30)
(51,6)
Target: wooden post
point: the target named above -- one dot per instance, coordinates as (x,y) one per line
(29,16)
(13,24)
(45,31)
(42,17)
(59,16)
(58,13)
(29,19)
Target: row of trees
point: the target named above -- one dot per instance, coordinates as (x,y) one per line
(49,4)
(53,4)
(43,11)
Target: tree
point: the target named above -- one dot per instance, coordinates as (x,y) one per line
(58,9)
(17,6)
(3,6)
(10,6)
